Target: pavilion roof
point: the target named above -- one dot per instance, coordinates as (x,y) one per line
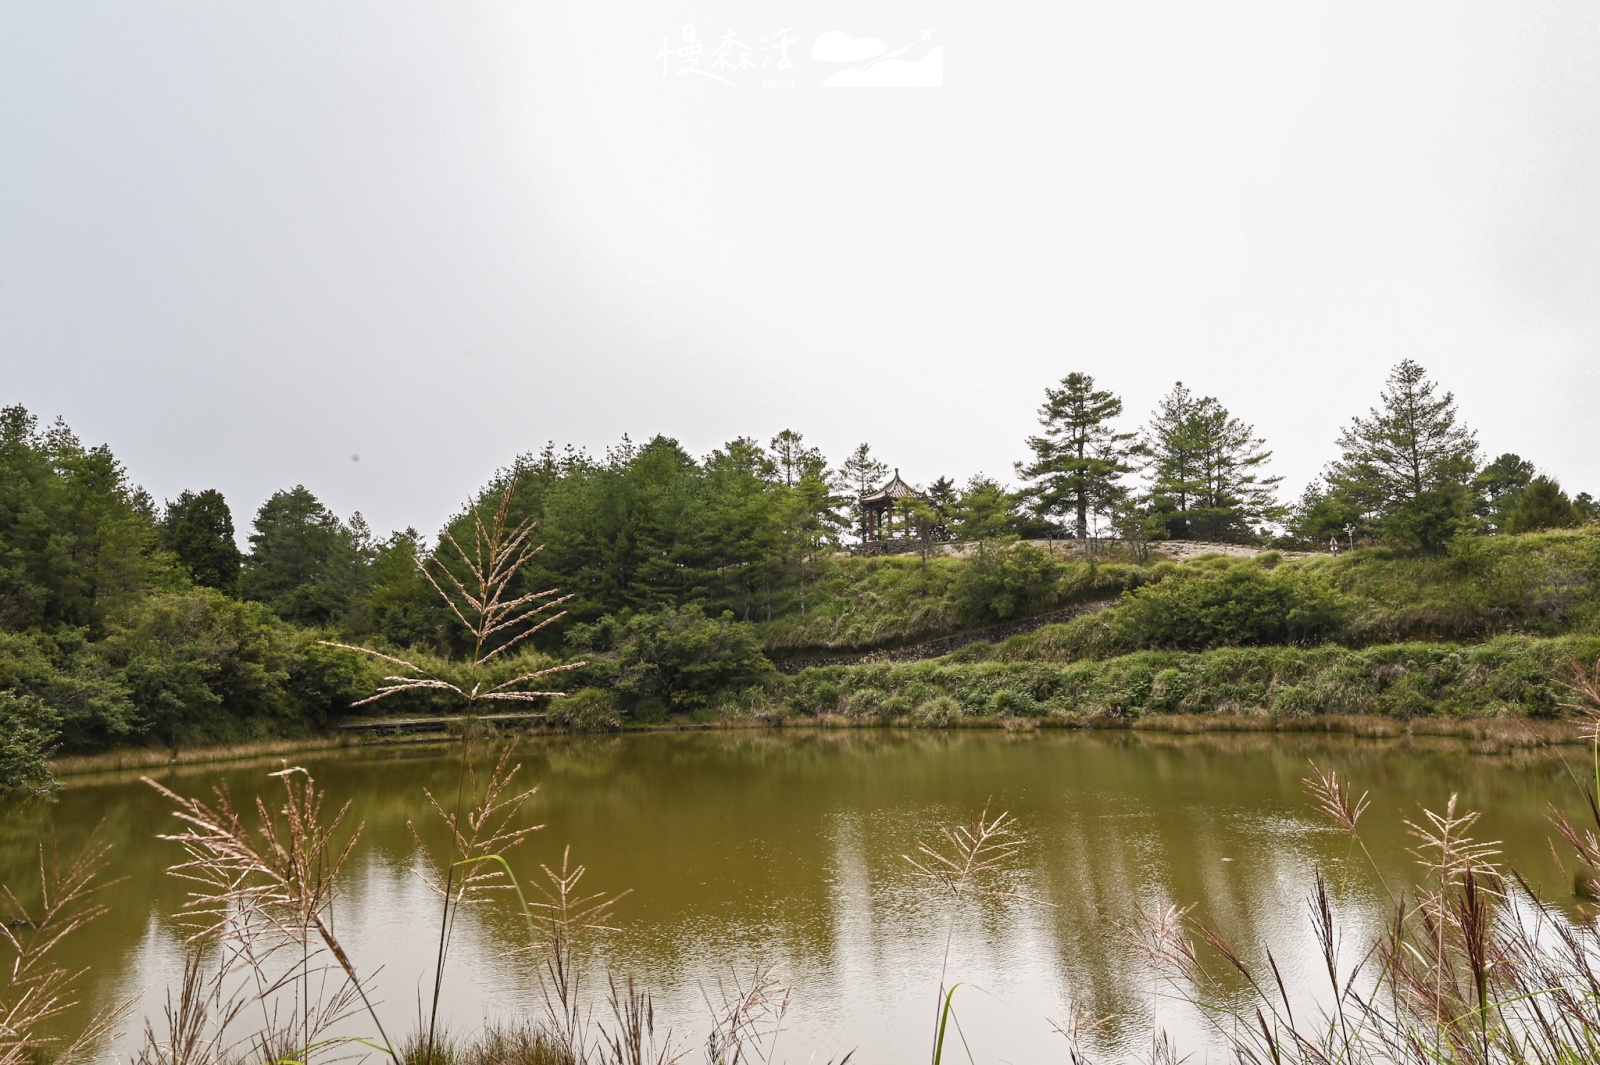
(892,492)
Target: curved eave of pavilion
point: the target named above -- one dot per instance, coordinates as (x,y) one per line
(892,492)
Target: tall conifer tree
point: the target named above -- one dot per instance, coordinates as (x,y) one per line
(1207,470)
(1079,459)
(198,529)
(1407,464)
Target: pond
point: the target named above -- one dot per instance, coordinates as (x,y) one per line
(789,846)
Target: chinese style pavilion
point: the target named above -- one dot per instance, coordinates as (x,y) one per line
(878,512)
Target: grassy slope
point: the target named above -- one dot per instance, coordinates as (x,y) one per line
(1542,583)
(869,602)
(860,604)
(1487,629)
(1515,674)
(1545,584)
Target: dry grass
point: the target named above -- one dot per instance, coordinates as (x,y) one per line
(965,861)
(266,977)
(556,923)
(475,865)
(478,587)
(1474,968)
(34,989)
(748,1019)
(262,893)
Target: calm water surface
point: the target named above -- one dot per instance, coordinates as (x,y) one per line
(788,846)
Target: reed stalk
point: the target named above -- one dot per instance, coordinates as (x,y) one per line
(34,988)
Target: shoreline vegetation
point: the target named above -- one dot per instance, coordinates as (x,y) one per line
(1489,735)
(648,587)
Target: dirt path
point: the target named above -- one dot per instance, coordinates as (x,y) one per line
(1171,550)
(1184,550)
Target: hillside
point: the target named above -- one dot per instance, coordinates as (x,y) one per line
(701,590)
(1489,628)
(1540,583)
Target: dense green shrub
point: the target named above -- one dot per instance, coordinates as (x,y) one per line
(1002,581)
(1432,520)
(673,660)
(587,710)
(1511,674)
(67,673)
(29,734)
(1541,505)
(323,682)
(938,712)
(1241,605)
(198,665)
(183,667)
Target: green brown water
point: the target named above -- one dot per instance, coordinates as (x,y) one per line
(789,846)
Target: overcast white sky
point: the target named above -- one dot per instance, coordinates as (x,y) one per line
(244,242)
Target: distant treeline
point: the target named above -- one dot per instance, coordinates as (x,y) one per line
(122,620)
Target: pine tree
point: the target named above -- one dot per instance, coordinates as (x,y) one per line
(77,539)
(1171,462)
(1079,458)
(984,510)
(1408,446)
(1320,516)
(1541,505)
(1497,486)
(1407,464)
(304,563)
(808,521)
(942,495)
(199,531)
(1234,497)
(794,459)
(1206,469)
(861,475)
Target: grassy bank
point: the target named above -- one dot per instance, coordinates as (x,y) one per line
(1489,631)
(1540,584)
(1479,631)
(1488,735)
(1510,676)
(1546,584)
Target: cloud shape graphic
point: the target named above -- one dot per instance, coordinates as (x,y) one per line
(838,47)
(925,73)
